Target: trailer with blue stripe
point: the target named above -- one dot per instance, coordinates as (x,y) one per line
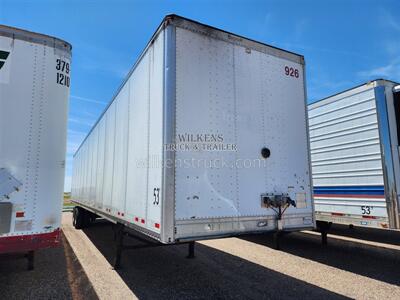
(354,143)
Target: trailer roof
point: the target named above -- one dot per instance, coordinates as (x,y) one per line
(34,37)
(232,37)
(214,32)
(376,81)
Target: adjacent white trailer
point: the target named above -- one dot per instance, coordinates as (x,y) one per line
(354,138)
(207,137)
(34,91)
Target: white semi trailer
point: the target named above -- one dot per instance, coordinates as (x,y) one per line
(354,138)
(34,91)
(207,137)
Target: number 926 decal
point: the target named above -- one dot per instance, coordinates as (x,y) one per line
(62,68)
(292,72)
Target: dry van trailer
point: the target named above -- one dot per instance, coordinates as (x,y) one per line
(207,137)
(34,91)
(354,138)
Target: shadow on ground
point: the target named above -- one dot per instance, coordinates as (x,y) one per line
(366,260)
(370,234)
(165,272)
(57,275)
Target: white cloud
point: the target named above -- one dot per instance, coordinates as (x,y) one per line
(300,28)
(76,132)
(81,121)
(88,100)
(101,59)
(390,70)
(302,47)
(388,19)
(89,114)
(323,87)
(390,67)
(392,47)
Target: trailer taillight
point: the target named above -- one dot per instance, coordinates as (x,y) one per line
(337,214)
(20,214)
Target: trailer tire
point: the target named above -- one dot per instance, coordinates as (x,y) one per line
(78,217)
(88,217)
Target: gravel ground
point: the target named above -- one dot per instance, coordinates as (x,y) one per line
(104,279)
(57,275)
(249,268)
(234,268)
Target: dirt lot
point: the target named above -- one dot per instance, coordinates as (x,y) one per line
(57,275)
(239,268)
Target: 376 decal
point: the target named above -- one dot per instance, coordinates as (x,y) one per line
(63,72)
(292,72)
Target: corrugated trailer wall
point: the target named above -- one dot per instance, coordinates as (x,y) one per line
(346,157)
(112,164)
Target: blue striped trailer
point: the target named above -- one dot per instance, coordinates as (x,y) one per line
(354,143)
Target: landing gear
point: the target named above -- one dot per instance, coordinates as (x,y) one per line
(324,227)
(120,232)
(277,240)
(119,237)
(191,250)
(31,258)
(278,203)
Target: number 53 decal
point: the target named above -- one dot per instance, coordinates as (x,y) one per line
(366,210)
(156,194)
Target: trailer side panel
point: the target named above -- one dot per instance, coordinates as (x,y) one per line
(348,176)
(119,166)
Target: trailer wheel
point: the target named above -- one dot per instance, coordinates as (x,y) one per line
(78,217)
(88,217)
(92,218)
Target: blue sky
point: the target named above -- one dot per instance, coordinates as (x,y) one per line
(345,43)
